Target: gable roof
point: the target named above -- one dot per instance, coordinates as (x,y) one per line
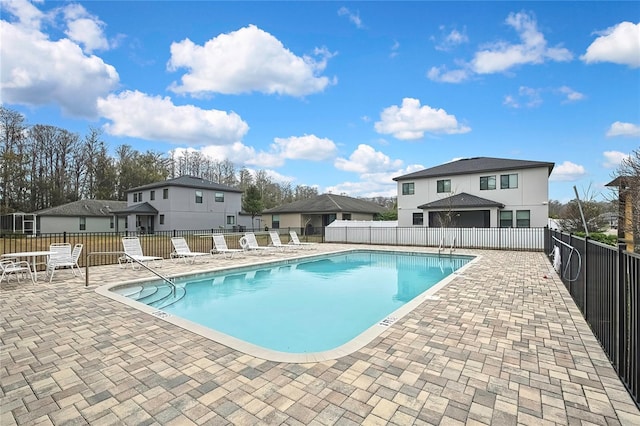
(187,182)
(327,203)
(476,165)
(98,208)
(143,208)
(462,200)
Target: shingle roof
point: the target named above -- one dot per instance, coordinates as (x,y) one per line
(475,165)
(144,208)
(187,182)
(462,200)
(84,208)
(327,203)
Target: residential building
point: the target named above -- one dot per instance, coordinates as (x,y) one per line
(627,198)
(314,213)
(183,203)
(81,216)
(476,192)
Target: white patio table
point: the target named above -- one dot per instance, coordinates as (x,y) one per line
(30,254)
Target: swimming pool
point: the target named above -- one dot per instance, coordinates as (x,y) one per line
(315,308)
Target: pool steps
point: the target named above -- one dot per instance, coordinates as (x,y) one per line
(158,296)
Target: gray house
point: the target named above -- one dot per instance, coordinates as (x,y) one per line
(81,216)
(320,211)
(479,192)
(184,203)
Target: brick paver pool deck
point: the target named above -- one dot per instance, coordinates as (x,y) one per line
(502,344)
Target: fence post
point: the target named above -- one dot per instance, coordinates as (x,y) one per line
(64,237)
(585,262)
(620,306)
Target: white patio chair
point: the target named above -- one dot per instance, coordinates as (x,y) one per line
(296,241)
(181,250)
(221,247)
(249,243)
(15,267)
(277,242)
(134,254)
(63,257)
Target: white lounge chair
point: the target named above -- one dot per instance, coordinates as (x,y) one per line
(277,243)
(181,250)
(63,257)
(295,241)
(249,243)
(221,246)
(134,254)
(15,267)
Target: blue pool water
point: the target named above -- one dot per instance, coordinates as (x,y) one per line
(312,305)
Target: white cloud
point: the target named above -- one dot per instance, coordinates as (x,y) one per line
(37,71)
(447,41)
(567,172)
(411,121)
(612,159)
(623,129)
(619,44)
(353,17)
(85,29)
(379,184)
(571,95)
(533,48)
(442,75)
(527,96)
(365,159)
(138,115)
(246,60)
(307,147)
(394,49)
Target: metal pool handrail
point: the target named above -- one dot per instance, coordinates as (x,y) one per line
(153,271)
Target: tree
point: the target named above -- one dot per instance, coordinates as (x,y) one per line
(252,202)
(13,157)
(571,219)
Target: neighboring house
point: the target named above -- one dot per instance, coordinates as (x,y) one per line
(319,211)
(625,210)
(479,192)
(183,203)
(81,216)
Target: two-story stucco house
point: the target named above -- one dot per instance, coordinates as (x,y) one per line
(183,203)
(478,192)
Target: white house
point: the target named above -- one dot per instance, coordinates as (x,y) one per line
(183,203)
(479,192)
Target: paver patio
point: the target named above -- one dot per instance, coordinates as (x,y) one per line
(503,344)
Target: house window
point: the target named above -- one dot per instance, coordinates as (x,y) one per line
(444,185)
(165,194)
(161,219)
(83,223)
(231,220)
(408,188)
(275,221)
(506,219)
(418,219)
(111,222)
(508,181)
(219,197)
(198,197)
(346,216)
(135,197)
(152,195)
(140,196)
(487,182)
(523,218)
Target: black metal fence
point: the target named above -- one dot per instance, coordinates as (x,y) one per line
(604,282)
(156,244)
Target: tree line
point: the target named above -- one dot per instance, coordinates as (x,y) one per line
(45,166)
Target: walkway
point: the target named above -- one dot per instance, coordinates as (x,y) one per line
(504,344)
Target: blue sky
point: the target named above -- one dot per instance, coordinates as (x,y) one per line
(344,96)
